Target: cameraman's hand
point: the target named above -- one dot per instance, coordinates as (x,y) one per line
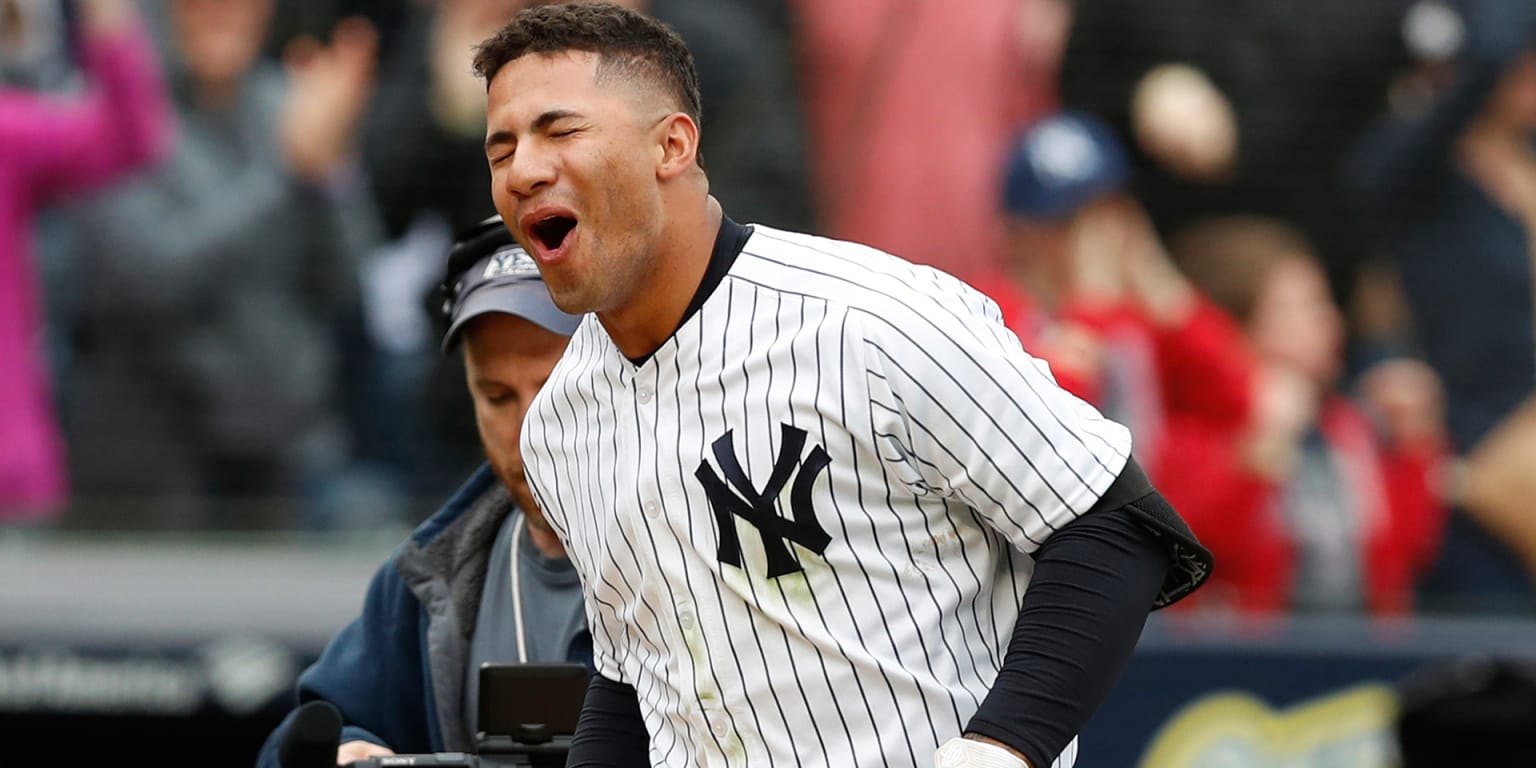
(359,750)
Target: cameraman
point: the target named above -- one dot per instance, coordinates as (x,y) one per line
(484,579)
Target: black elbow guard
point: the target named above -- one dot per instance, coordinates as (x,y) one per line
(1191,562)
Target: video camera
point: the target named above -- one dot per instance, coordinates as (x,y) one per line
(527,715)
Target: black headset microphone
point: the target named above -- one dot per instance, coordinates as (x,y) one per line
(312,737)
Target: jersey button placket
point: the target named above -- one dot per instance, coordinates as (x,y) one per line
(645,392)
(643,384)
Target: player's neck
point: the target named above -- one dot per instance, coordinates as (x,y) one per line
(683,256)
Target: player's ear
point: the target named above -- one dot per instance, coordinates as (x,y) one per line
(677,145)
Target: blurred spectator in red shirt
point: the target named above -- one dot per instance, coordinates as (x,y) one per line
(1317,502)
(49,148)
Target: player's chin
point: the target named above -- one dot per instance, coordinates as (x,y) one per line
(570,292)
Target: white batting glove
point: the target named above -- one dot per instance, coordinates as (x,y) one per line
(969,753)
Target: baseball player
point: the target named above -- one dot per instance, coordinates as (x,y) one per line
(826,510)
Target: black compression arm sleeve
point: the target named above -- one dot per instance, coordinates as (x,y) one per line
(1094,584)
(610,732)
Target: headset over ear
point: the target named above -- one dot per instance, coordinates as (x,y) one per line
(469,247)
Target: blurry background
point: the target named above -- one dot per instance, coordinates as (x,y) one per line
(1288,242)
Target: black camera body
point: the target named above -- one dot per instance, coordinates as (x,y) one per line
(527,716)
(531,746)
(530,749)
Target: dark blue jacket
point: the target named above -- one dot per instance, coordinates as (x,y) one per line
(1465,270)
(397,671)
(1464,261)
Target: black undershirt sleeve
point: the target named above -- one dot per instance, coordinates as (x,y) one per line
(1094,584)
(610,733)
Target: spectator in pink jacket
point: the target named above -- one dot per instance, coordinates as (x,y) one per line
(51,147)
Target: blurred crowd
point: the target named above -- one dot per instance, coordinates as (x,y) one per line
(1290,244)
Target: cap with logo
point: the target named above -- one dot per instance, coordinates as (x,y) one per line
(499,277)
(1060,164)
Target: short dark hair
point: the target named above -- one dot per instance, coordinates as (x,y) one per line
(629,43)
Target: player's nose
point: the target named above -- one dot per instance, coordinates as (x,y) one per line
(528,170)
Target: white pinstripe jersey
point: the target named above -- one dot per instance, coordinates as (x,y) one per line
(877,402)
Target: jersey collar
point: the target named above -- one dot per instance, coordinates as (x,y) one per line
(729,241)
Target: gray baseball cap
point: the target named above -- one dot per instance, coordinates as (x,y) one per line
(507,280)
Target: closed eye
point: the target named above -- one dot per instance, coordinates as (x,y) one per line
(497,396)
(504,142)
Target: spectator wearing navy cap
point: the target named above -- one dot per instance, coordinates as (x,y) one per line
(1089,289)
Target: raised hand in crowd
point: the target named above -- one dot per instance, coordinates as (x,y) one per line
(1184,122)
(1114,260)
(1152,280)
(329,89)
(1494,483)
(106,15)
(1094,272)
(1406,398)
(457,97)
(1285,406)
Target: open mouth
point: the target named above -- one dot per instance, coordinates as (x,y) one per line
(552,232)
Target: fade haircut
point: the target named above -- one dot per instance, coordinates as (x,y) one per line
(629,44)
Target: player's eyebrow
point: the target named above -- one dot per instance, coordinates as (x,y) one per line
(545,120)
(541,123)
(497,139)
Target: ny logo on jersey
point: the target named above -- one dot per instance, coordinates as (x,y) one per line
(757,507)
